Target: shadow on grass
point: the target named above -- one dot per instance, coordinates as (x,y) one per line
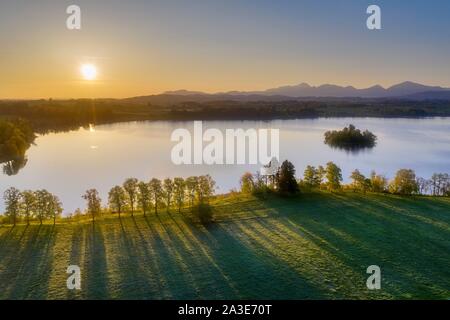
(360,231)
(29,265)
(95,267)
(250,271)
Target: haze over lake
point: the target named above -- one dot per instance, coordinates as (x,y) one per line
(68,163)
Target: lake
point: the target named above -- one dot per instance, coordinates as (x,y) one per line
(68,163)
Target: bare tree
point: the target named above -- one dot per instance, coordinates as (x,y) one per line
(12,198)
(156,192)
(28,204)
(93,202)
(191,185)
(117,199)
(54,208)
(144,197)
(179,192)
(130,187)
(168,192)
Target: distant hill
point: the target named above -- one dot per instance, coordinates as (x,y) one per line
(405,89)
(430,95)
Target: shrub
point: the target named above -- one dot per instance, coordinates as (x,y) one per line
(204,213)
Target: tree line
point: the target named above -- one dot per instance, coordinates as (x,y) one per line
(133,195)
(194,192)
(58,115)
(38,205)
(152,196)
(284,181)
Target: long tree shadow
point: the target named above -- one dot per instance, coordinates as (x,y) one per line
(95,269)
(134,281)
(202,272)
(364,232)
(155,287)
(6,235)
(176,280)
(77,253)
(31,276)
(249,269)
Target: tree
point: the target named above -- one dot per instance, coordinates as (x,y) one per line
(43,198)
(54,208)
(156,192)
(16,137)
(204,213)
(313,177)
(404,182)
(260,185)
(434,183)
(378,183)
(179,192)
(191,185)
(144,197)
(360,183)
(440,183)
(334,176)
(423,185)
(117,199)
(168,191)
(205,188)
(94,202)
(28,204)
(247,183)
(320,175)
(12,198)
(446,185)
(286,182)
(309,176)
(130,187)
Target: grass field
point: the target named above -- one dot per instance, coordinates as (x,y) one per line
(312,247)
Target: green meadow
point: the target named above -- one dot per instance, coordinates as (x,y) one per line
(315,246)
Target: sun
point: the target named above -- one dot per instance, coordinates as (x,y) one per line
(89,71)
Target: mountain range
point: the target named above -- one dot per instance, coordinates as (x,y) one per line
(405,89)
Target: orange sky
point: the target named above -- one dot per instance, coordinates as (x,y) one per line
(145,48)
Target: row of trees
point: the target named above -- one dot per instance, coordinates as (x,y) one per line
(438,184)
(330,178)
(177,193)
(282,179)
(404,182)
(135,195)
(284,182)
(28,204)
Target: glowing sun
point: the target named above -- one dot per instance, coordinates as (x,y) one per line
(89,71)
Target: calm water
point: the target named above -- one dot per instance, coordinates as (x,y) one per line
(69,163)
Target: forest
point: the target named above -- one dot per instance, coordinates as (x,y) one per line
(16,136)
(60,115)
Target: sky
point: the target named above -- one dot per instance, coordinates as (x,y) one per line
(148,47)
